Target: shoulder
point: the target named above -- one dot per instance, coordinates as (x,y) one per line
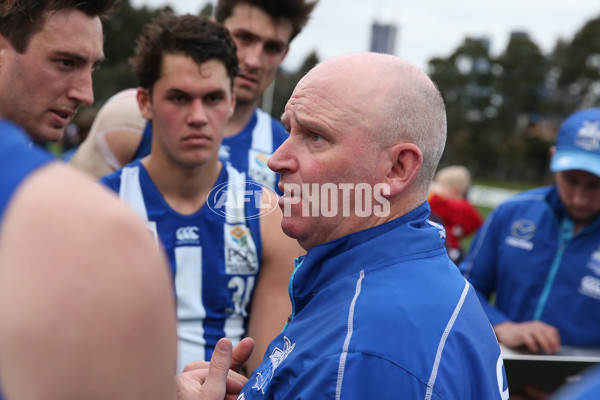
(527,202)
(529,196)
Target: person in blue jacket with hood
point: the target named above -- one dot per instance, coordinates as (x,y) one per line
(540,250)
(379,310)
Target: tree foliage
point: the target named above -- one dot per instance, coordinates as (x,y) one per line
(504,111)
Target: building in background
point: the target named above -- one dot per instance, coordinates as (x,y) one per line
(383,38)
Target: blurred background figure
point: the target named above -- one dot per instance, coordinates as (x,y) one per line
(450,207)
(117,124)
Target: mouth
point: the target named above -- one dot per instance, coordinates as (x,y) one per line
(197,139)
(246,80)
(62,116)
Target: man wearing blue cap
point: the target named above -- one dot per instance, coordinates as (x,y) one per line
(540,250)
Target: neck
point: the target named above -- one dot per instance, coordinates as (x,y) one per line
(241,115)
(184,188)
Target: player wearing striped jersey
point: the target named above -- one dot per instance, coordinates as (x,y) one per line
(262,31)
(230,259)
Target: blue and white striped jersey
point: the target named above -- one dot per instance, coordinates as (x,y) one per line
(214,255)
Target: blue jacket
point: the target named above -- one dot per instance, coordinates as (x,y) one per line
(527,253)
(382,314)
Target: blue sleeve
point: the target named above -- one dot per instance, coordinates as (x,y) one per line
(480,266)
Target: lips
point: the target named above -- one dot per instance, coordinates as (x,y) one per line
(246,80)
(197,139)
(62,117)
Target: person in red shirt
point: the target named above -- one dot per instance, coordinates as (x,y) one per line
(450,207)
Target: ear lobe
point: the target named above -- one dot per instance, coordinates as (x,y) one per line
(144,102)
(407,159)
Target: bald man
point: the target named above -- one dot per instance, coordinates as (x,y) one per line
(379,310)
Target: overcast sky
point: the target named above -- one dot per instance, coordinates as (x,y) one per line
(426,28)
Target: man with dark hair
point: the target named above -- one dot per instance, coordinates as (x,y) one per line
(54,44)
(262,31)
(230,259)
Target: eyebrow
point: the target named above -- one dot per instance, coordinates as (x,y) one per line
(311,126)
(277,42)
(182,92)
(79,58)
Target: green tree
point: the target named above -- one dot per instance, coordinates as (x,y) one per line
(120,31)
(466,81)
(577,68)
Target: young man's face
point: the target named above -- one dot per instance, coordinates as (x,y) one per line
(262,44)
(42,88)
(580,193)
(189,107)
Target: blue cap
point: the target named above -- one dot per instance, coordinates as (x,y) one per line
(578,143)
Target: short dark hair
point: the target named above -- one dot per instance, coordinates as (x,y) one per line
(295,11)
(21,19)
(193,36)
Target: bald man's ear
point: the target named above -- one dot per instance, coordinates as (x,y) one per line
(406,159)
(552,151)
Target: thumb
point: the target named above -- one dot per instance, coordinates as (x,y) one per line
(216,380)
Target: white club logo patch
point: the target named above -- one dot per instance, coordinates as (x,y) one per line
(588,136)
(187,234)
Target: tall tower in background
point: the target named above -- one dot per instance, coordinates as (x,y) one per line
(383,38)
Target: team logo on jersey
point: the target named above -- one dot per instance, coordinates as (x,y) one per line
(241,200)
(521,233)
(187,234)
(240,251)
(588,136)
(594,261)
(590,286)
(260,160)
(264,377)
(442,230)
